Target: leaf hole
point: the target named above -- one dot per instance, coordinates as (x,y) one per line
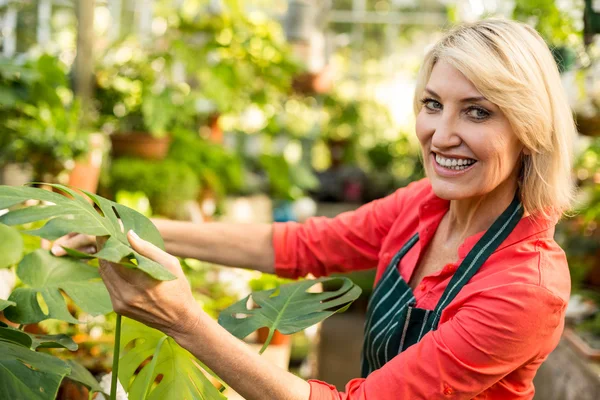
(155,383)
(42,303)
(143,364)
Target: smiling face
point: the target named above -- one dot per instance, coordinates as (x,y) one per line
(469,148)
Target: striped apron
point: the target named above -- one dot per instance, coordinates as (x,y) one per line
(394,323)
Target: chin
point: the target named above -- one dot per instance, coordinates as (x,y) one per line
(451,191)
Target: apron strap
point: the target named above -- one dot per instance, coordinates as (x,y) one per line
(489,242)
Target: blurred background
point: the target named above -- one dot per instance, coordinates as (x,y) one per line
(259,111)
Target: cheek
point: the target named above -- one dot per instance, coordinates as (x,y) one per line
(423,127)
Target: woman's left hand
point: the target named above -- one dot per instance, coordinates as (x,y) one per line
(165,305)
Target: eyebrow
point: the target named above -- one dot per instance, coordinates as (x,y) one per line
(465,100)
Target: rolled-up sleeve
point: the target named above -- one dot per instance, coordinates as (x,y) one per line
(350,241)
(489,337)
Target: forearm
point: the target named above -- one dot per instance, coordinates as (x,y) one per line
(238,365)
(238,245)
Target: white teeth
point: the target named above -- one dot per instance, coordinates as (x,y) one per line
(454,163)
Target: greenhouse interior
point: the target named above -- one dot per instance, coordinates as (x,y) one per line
(233,199)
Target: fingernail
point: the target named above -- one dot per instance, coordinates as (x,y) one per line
(133,234)
(56,249)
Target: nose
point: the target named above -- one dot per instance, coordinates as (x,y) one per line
(445,134)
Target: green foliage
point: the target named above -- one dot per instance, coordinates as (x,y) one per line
(135,94)
(215,166)
(6,303)
(168,184)
(11,246)
(39,122)
(46,137)
(76,214)
(27,374)
(34,341)
(288,308)
(182,374)
(556,26)
(44,275)
(237,58)
(267,282)
(579,236)
(286,182)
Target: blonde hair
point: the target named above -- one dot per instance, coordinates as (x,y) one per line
(511,65)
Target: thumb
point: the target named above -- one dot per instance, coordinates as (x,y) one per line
(152,252)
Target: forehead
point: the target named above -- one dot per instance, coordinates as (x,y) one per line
(447,81)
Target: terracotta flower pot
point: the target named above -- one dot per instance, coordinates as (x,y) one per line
(140,145)
(278,337)
(86,173)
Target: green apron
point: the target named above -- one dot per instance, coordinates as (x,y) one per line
(394,323)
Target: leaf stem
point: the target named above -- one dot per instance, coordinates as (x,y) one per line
(268,341)
(115,368)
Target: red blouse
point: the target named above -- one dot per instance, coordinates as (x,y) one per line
(491,338)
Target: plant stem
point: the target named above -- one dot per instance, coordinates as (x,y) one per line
(115,368)
(271,332)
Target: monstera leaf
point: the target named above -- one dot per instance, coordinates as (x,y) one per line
(80,374)
(26,374)
(289,308)
(11,246)
(76,214)
(46,275)
(182,374)
(6,303)
(35,341)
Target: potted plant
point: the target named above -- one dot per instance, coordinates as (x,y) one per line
(137,102)
(39,120)
(219,170)
(168,184)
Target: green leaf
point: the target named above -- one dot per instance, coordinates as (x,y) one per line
(80,374)
(11,246)
(9,334)
(74,213)
(60,341)
(5,303)
(26,374)
(182,374)
(35,341)
(289,308)
(47,275)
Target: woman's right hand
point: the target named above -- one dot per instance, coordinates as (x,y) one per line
(76,241)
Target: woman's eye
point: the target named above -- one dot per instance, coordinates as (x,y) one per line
(478,113)
(432,105)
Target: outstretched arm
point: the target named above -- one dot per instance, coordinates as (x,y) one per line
(170,307)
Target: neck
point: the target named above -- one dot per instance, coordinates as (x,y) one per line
(469,216)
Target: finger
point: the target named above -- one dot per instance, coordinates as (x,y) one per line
(74,242)
(117,275)
(154,253)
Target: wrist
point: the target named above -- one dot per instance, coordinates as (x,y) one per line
(188,327)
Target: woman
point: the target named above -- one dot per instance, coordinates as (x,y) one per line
(471,287)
